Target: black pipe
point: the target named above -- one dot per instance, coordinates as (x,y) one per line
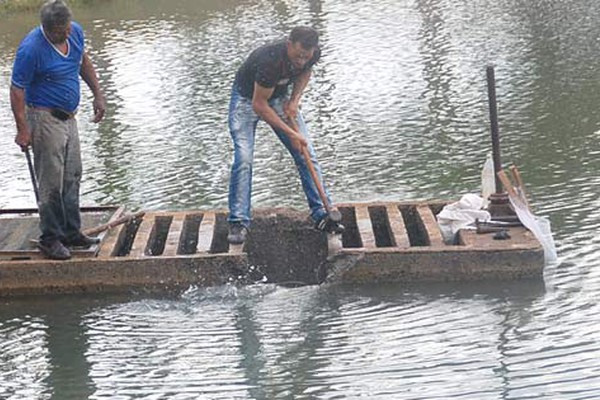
(491,83)
(32,174)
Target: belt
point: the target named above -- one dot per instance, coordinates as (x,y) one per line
(56,112)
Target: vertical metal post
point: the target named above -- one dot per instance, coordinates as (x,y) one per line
(499,206)
(491,83)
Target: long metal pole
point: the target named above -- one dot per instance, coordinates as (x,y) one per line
(491,83)
(32,174)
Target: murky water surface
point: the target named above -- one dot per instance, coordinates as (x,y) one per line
(397,109)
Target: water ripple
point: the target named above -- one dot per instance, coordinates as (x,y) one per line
(397,109)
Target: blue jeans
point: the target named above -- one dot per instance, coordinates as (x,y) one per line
(242,127)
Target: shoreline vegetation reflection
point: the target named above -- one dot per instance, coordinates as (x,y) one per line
(8,7)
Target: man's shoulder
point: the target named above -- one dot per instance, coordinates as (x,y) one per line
(271,51)
(77,31)
(274,45)
(33,38)
(76,27)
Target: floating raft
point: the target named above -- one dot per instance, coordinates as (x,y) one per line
(387,242)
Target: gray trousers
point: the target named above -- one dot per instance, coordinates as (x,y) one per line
(57,164)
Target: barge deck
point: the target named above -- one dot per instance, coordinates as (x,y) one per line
(384,242)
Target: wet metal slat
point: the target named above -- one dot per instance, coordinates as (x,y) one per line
(174,236)
(431,227)
(140,243)
(206,232)
(365,227)
(397,226)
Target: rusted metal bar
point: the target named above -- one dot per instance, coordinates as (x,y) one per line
(491,84)
(34,181)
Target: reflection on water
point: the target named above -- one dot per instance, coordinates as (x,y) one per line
(397,109)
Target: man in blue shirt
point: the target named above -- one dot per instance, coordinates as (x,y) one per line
(44,97)
(260,92)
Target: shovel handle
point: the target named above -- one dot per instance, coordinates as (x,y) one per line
(311,168)
(109,225)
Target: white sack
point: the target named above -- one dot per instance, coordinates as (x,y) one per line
(460,214)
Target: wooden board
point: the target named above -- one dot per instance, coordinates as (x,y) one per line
(206,232)
(174,236)
(365,227)
(431,226)
(397,226)
(19,232)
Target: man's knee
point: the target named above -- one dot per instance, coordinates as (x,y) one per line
(243,158)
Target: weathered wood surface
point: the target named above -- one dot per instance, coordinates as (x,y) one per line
(19,232)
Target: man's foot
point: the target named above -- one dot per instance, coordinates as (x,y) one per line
(81,240)
(327,225)
(54,250)
(237,233)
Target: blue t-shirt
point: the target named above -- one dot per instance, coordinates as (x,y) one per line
(50,78)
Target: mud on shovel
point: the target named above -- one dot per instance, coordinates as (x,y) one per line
(335,265)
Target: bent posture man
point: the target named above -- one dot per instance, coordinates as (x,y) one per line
(260,92)
(44,97)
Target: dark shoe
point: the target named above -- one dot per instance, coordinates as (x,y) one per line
(328,225)
(81,240)
(54,250)
(237,233)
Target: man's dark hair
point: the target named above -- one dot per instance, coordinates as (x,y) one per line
(55,13)
(308,37)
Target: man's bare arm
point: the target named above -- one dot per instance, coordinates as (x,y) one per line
(17,104)
(260,105)
(300,83)
(88,73)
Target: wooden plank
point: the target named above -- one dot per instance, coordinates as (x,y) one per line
(206,232)
(93,230)
(112,241)
(18,238)
(174,236)
(432,228)
(32,254)
(144,232)
(37,255)
(397,226)
(365,226)
(7,226)
(7,230)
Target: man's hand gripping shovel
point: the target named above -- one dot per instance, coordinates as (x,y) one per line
(333,214)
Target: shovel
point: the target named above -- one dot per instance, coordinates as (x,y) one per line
(333,214)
